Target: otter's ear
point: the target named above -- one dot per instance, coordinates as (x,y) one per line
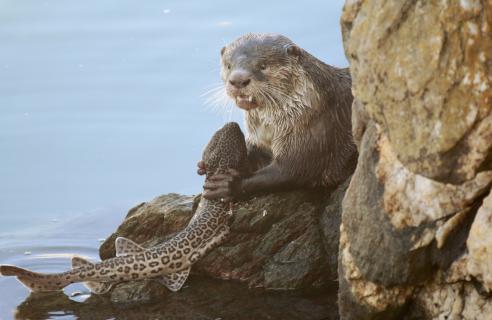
(294,50)
(222,51)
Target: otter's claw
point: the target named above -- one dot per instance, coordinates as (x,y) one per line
(201,168)
(224,186)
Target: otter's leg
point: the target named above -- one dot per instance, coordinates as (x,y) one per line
(230,186)
(270,178)
(257,157)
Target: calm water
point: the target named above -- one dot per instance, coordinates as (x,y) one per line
(101,108)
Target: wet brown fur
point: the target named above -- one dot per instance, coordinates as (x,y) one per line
(303,118)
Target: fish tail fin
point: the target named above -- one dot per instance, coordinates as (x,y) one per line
(94,286)
(36,282)
(7,271)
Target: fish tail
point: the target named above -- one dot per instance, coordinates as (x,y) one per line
(8,271)
(37,282)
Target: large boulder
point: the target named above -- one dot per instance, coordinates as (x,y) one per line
(421,69)
(416,233)
(285,240)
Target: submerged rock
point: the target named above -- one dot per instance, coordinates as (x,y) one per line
(280,241)
(416,234)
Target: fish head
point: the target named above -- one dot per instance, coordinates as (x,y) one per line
(226,150)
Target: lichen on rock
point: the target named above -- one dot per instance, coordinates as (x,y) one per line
(416,240)
(422,71)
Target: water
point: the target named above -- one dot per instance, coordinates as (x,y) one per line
(101,108)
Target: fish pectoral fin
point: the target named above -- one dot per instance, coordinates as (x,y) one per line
(98,287)
(125,246)
(175,281)
(78,262)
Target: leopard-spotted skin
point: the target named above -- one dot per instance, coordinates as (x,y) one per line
(207,229)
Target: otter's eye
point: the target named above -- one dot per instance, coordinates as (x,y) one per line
(228,66)
(263,66)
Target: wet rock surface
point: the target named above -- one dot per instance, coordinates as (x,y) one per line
(415,234)
(279,241)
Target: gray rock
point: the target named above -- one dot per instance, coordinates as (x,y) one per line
(330,227)
(280,241)
(381,252)
(140,292)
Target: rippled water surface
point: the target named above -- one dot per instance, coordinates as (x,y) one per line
(101,108)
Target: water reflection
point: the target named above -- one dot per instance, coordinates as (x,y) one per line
(201,299)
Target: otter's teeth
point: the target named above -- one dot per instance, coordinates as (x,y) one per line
(250,99)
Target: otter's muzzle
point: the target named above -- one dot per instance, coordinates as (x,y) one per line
(239,79)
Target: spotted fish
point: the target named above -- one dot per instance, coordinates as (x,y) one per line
(169,262)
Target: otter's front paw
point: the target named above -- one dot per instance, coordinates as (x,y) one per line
(201,167)
(225,187)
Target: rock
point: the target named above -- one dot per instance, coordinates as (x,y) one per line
(363,299)
(360,120)
(152,222)
(276,243)
(140,292)
(280,241)
(416,236)
(479,245)
(382,252)
(422,71)
(330,227)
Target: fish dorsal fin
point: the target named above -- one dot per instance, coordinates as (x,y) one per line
(98,287)
(175,281)
(125,246)
(78,262)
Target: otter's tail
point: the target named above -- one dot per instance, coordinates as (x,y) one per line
(37,282)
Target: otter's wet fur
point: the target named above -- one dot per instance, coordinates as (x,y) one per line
(298,109)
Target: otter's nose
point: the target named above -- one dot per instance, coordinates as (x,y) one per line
(240,78)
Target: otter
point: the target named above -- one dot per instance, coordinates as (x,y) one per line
(298,118)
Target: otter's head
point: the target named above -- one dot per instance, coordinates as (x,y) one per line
(258,69)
